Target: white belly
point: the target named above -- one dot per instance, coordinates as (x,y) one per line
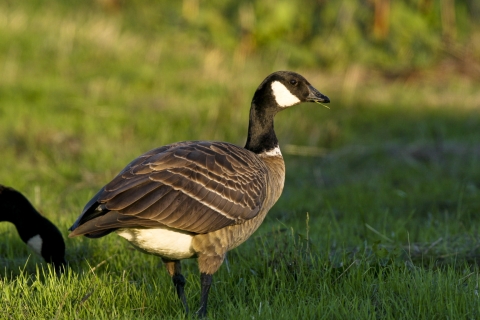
(164,242)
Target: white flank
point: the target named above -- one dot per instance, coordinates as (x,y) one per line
(283,96)
(162,242)
(271,153)
(36,244)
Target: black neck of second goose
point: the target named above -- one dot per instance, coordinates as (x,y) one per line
(26,219)
(15,208)
(261,135)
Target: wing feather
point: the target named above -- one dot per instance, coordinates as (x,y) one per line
(192,186)
(130,196)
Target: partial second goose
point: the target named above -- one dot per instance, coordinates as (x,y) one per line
(200,199)
(34,229)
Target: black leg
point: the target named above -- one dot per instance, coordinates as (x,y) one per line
(179,283)
(206,281)
(174,269)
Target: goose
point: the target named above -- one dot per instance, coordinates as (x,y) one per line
(34,229)
(200,199)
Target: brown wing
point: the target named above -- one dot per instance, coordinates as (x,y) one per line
(193,186)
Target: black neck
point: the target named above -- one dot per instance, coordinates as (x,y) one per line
(15,208)
(261,135)
(27,222)
(53,246)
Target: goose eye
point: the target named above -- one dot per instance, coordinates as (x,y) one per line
(293,82)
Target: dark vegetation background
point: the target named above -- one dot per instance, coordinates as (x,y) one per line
(379,216)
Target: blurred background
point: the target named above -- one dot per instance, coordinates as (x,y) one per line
(86,86)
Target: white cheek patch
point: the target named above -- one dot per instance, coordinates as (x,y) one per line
(283,96)
(36,244)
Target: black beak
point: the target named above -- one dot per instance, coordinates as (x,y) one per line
(315,96)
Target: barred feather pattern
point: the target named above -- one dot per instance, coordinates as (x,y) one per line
(194,186)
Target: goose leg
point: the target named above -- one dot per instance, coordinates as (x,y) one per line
(206,281)
(175,270)
(208,263)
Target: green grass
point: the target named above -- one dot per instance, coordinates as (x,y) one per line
(382,222)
